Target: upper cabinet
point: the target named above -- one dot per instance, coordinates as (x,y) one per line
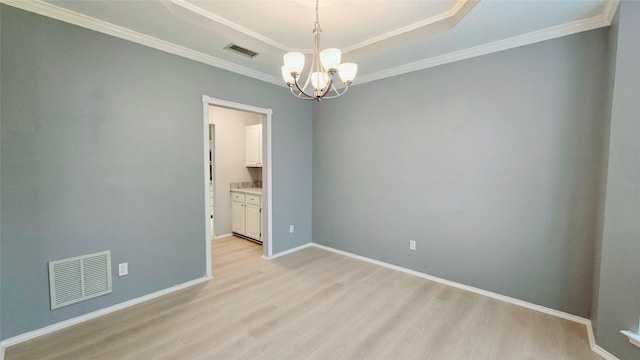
(253,146)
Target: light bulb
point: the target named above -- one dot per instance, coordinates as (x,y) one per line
(286,75)
(294,61)
(319,80)
(330,58)
(347,72)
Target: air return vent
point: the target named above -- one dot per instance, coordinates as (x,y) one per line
(79,278)
(242,51)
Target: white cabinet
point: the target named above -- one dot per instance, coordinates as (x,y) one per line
(252,221)
(246,214)
(253,146)
(238,216)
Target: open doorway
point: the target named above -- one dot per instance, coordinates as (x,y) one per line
(212,180)
(237,202)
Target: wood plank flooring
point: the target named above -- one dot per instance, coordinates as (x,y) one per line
(313,304)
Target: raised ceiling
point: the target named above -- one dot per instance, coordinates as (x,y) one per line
(385,38)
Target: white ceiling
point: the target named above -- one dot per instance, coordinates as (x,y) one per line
(385,37)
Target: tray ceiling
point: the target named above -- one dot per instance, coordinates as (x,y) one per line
(385,38)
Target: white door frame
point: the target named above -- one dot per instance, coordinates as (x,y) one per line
(267,248)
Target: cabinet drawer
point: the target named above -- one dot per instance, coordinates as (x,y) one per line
(237,197)
(253,199)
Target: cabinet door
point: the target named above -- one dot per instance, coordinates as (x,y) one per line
(253,221)
(253,146)
(238,217)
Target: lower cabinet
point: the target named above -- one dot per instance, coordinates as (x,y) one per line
(246,214)
(238,217)
(252,222)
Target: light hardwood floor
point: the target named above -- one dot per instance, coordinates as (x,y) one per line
(313,304)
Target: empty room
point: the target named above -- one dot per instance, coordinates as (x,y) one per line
(332,179)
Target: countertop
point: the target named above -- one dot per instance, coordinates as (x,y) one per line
(254,191)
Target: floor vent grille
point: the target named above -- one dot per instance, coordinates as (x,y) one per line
(79,278)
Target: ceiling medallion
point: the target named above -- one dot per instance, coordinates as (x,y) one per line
(324,66)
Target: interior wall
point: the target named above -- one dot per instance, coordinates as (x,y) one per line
(619,295)
(604,163)
(0,174)
(230,159)
(102,149)
(491,164)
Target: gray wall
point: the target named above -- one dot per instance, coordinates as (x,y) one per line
(0,174)
(102,150)
(604,163)
(491,164)
(230,159)
(619,290)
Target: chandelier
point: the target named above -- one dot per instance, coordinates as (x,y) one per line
(324,66)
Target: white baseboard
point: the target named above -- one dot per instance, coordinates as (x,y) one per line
(563,315)
(292,250)
(602,352)
(490,294)
(221,236)
(77,320)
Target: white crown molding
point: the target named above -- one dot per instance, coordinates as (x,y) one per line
(610,10)
(219,19)
(59,13)
(492,47)
(451,13)
(55,12)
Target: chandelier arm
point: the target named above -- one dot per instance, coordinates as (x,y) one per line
(294,93)
(335,90)
(328,87)
(338,93)
(301,97)
(301,91)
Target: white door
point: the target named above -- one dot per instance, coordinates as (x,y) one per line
(252,221)
(237,217)
(253,146)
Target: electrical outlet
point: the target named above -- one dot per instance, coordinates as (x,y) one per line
(123,269)
(412,244)
(291,229)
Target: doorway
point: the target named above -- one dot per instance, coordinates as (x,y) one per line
(211,181)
